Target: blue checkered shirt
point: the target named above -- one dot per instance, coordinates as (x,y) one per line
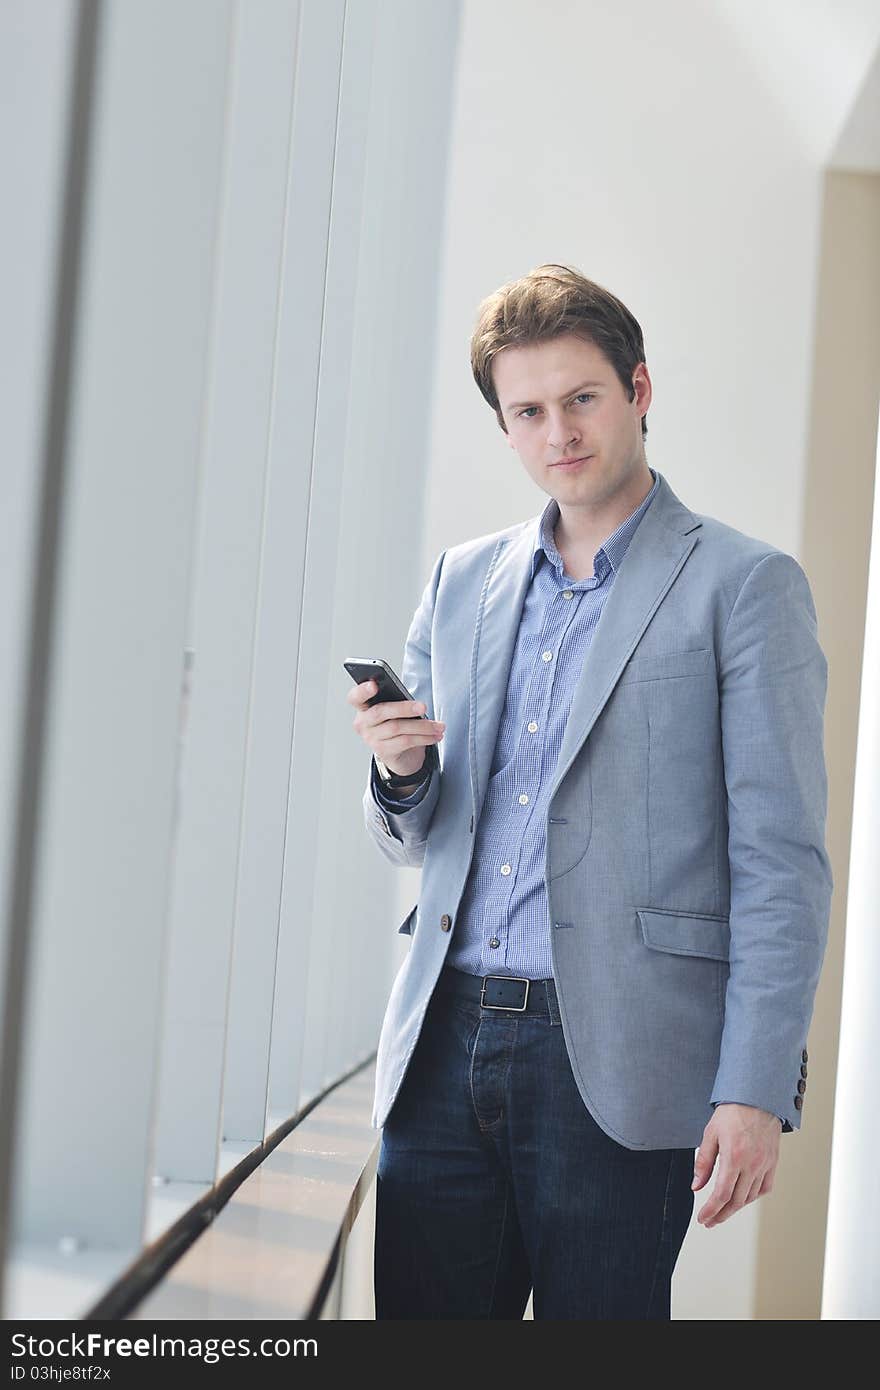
(502,925)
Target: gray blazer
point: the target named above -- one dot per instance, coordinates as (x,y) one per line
(688,883)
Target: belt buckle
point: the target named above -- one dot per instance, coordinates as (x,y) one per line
(517,1008)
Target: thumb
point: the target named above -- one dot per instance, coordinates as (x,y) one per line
(704,1162)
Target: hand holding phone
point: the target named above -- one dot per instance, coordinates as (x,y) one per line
(391,723)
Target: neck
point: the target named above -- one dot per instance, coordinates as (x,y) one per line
(581,530)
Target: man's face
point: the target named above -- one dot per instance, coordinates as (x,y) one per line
(563,399)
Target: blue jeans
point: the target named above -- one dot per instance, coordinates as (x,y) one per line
(494,1180)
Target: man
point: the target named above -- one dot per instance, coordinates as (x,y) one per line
(625,890)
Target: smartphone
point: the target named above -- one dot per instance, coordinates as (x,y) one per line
(390,687)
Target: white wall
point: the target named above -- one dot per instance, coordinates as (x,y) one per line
(673,153)
(643,144)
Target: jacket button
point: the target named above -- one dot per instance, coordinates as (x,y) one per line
(445,922)
(804,1057)
(802,1086)
(803,1069)
(798,1102)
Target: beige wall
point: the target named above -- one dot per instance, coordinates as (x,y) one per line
(835,542)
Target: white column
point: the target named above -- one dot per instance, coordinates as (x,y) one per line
(140,303)
(851,1284)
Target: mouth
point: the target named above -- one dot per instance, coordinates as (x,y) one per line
(568,465)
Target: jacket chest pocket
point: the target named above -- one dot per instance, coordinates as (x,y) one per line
(666,665)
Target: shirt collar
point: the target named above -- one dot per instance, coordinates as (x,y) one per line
(613,548)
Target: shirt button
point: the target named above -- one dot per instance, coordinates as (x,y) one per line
(567,593)
(533,728)
(505,868)
(494,942)
(445,922)
(546,656)
(524,800)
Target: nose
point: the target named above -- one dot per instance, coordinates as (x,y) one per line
(560,433)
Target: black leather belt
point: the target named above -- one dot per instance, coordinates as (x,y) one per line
(513,992)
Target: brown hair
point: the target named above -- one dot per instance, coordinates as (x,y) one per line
(549,301)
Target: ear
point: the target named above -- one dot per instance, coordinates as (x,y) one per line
(643,387)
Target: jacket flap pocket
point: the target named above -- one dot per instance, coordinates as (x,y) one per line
(685,933)
(408,922)
(664,664)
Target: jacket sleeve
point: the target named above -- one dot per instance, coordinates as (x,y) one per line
(772,685)
(400,804)
(403,835)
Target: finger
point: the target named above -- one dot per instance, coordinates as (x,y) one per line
(704,1161)
(360,693)
(724,1202)
(396,709)
(755,1189)
(398,718)
(725,1182)
(401,743)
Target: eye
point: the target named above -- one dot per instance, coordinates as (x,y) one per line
(584,395)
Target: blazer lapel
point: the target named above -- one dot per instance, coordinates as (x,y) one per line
(662,543)
(495,630)
(663,540)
